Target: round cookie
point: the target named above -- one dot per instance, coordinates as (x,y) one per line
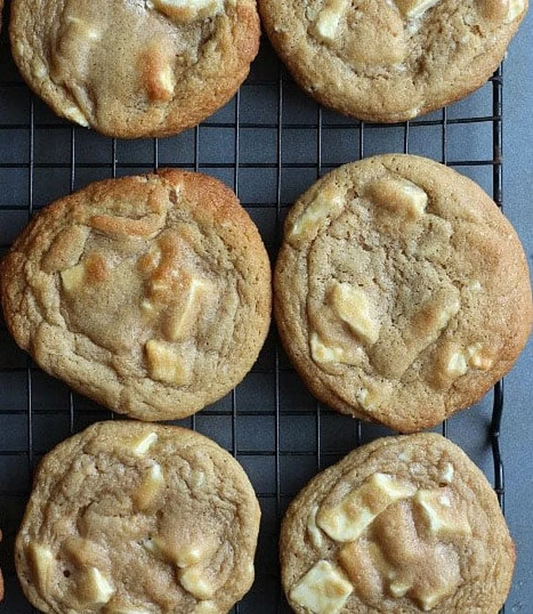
(402,293)
(135,68)
(403,525)
(149,294)
(391,60)
(131,518)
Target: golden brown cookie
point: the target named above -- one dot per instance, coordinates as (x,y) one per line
(402,525)
(402,293)
(135,68)
(150,294)
(391,60)
(131,518)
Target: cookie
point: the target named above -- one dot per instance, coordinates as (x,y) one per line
(149,294)
(402,293)
(403,525)
(390,61)
(131,518)
(135,68)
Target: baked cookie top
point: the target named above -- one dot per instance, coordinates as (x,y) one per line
(130,518)
(391,60)
(402,293)
(402,525)
(150,294)
(133,68)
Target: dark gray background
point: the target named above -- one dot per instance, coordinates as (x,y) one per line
(275,428)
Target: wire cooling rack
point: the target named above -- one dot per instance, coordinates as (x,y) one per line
(269,143)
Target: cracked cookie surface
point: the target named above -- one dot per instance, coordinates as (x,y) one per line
(402,525)
(391,60)
(150,294)
(132,518)
(135,68)
(402,293)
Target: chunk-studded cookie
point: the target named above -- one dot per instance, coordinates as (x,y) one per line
(130,518)
(391,60)
(149,294)
(402,525)
(402,293)
(134,68)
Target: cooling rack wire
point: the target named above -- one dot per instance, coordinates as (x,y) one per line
(269,143)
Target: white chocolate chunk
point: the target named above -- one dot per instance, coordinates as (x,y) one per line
(442,518)
(348,520)
(197,5)
(38,69)
(324,354)
(165,365)
(96,588)
(448,311)
(73,278)
(429,600)
(516,8)
(414,199)
(367,399)
(328,21)
(475,286)
(187,558)
(477,359)
(167,81)
(323,590)
(314,532)
(456,365)
(400,196)
(147,307)
(414,8)
(75,115)
(183,558)
(84,28)
(152,545)
(194,581)
(144,443)
(43,564)
(150,488)
(328,202)
(473,356)
(197,479)
(353,307)
(447,473)
(205,607)
(185,11)
(399,589)
(181,322)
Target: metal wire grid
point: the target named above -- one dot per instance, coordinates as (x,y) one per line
(280,434)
